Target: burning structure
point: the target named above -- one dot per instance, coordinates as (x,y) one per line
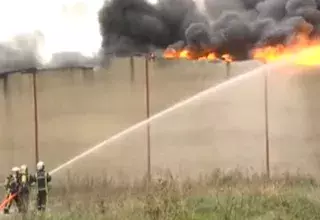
(234,30)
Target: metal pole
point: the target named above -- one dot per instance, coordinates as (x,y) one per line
(228,66)
(131,69)
(8,109)
(5,86)
(266,113)
(35,108)
(148,116)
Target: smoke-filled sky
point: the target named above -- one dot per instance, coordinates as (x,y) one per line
(33,30)
(225,26)
(42,27)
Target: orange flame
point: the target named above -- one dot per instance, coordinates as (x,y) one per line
(227,58)
(212,56)
(187,54)
(170,53)
(301,50)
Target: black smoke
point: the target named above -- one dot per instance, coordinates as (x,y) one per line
(223,26)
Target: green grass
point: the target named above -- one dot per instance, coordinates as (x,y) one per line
(218,196)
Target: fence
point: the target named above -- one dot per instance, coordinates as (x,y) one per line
(78,109)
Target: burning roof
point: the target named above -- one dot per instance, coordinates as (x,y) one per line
(266,30)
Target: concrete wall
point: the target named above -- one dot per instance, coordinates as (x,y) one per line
(224,129)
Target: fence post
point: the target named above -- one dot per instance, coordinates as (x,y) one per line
(228,69)
(147,90)
(35,108)
(8,110)
(132,69)
(266,121)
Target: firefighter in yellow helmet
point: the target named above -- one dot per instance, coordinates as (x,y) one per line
(41,178)
(12,186)
(26,181)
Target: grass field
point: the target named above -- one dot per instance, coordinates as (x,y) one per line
(225,196)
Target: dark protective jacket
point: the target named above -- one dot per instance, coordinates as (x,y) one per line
(12,184)
(7,182)
(42,178)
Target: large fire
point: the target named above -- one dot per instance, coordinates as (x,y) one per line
(301,50)
(189,55)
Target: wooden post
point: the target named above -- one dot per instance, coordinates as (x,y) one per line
(35,108)
(148,116)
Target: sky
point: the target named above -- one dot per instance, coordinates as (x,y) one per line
(67,25)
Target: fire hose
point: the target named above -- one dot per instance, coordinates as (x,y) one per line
(7,200)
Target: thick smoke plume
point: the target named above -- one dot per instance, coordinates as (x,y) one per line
(223,26)
(72,59)
(20,52)
(23,51)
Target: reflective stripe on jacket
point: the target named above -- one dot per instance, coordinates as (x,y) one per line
(42,178)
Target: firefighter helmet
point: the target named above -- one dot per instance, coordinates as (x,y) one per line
(15,169)
(40,165)
(24,168)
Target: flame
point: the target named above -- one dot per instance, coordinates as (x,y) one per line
(171,53)
(212,56)
(301,50)
(227,58)
(186,54)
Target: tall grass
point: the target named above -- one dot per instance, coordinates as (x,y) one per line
(220,195)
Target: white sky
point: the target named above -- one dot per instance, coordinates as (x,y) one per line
(67,25)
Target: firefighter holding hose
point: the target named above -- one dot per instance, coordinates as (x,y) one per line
(12,187)
(41,178)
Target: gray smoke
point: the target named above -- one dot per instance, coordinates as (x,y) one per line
(225,26)
(72,59)
(22,52)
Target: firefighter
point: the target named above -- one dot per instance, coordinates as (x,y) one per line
(26,181)
(12,186)
(41,178)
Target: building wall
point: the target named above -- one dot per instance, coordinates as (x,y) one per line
(223,129)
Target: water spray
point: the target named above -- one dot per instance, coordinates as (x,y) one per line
(161,114)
